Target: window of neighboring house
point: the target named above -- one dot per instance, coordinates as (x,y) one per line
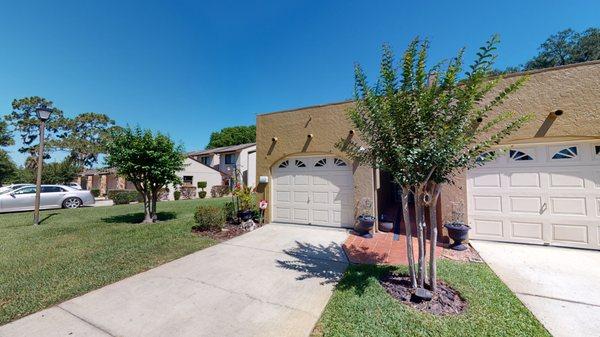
(229,159)
(206,160)
(188,180)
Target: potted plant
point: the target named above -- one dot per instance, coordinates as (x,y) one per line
(457,229)
(365,220)
(245,200)
(202,185)
(459,232)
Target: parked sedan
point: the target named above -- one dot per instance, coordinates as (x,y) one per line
(51,196)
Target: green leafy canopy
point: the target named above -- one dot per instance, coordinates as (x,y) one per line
(420,123)
(230,136)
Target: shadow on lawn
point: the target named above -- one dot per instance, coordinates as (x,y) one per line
(138,217)
(48,216)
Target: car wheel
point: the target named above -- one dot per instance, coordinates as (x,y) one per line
(72,202)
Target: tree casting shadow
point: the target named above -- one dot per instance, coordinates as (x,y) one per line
(138,217)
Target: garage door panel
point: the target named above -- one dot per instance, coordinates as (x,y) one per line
(525,204)
(488,227)
(316,192)
(283,196)
(300,214)
(487,180)
(568,206)
(301,196)
(566,179)
(541,200)
(320,198)
(527,230)
(570,233)
(524,179)
(487,203)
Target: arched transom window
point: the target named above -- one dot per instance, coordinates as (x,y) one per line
(519,155)
(566,153)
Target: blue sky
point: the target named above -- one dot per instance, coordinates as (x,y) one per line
(187,68)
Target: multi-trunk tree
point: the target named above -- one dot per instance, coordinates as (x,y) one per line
(424,125)
(150,161)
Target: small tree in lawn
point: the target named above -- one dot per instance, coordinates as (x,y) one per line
(150,161)
(202,185)
(424,126)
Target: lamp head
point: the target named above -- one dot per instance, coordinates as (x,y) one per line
(43,113)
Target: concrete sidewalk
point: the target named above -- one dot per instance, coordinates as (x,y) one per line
(274,281)
(559,285)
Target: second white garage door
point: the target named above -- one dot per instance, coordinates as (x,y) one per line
(313,190)
(544,194)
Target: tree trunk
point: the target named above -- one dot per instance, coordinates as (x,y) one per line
(433,237)
(420,217)
(153,205)
(409,242)
(147,207)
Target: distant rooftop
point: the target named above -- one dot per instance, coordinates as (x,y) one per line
(223,149)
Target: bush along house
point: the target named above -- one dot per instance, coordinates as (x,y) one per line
(544,187)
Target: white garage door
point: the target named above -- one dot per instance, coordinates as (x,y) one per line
(538,194)
(313,190)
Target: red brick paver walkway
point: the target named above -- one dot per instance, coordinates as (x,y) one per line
(381,249)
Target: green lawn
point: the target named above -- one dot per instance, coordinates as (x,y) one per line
(361,307)
(75,251)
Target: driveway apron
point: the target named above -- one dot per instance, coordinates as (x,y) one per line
(559,285)
(274,281)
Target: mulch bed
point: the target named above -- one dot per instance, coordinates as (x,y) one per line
(446,301)
(229,231)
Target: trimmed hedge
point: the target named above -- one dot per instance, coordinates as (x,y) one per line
(209,218)
(202,194)
(121,197)
(177,195)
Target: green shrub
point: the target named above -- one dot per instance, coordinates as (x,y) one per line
(209,218)
(177,195)
(229,209)
(202,185)
(95,192)
(202,194)
(121,197)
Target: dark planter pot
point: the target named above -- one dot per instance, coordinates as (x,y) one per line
(245,215)
(386,226)
(364,225)
(458,232)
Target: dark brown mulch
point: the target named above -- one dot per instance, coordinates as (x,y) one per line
(229,231)
(446,301)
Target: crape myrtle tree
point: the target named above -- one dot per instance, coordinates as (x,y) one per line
(150,161)
(424,125)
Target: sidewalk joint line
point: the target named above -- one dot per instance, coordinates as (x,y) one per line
(86,321)
(559,299)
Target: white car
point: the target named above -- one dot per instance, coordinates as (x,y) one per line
(51,196)
(12,187)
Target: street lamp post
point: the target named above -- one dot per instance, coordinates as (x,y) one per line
(43,113)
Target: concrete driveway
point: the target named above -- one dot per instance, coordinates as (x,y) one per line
(274,281)
(561,286)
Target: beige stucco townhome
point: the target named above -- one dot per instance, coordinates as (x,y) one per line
(544,189)
(240,159)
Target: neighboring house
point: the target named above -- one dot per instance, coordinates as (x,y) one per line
(194,172)
(105,179)
(546,190)
(229,158)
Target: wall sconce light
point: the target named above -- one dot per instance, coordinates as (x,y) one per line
(274,139)
(310,135)
(558,112)
(351,132)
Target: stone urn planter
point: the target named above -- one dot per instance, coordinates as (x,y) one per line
(364,225)
(459,232)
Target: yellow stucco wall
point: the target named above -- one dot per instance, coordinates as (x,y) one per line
(573,89)
(327,123)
